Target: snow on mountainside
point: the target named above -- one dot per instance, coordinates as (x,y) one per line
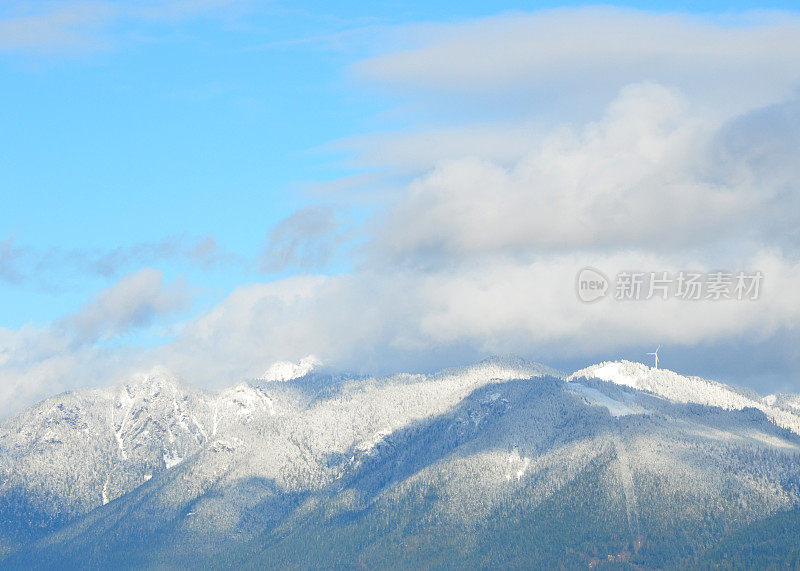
(286,370)
(181,470)
(508,367)
(76,451)
(79,450)
(787,402)
(679,388)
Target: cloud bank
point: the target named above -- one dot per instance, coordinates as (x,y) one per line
(83,348)
(726,64)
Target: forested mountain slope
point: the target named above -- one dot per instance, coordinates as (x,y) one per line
(502,463)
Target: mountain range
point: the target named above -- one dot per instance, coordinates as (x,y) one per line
(502,463)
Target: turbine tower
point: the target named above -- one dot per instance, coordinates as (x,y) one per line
(656,355)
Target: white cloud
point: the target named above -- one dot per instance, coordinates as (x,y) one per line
(487,87)
(408,320)
(36,362)
(51,268)
(727,63)
(45,26)
(307,239)
(411,152)
(648,174)
(135,301)
(396,320)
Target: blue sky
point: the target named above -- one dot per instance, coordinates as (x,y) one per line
(204,124)
(184,136)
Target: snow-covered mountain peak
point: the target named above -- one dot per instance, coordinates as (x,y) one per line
(686,389)
(150,384)
(511,367)
(666,383)
(628,373)
(286,370)
(244,400)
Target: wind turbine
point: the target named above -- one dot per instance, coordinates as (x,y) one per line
(656,355)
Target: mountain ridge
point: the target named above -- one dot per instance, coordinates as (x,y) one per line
(162,470)
(689,389)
